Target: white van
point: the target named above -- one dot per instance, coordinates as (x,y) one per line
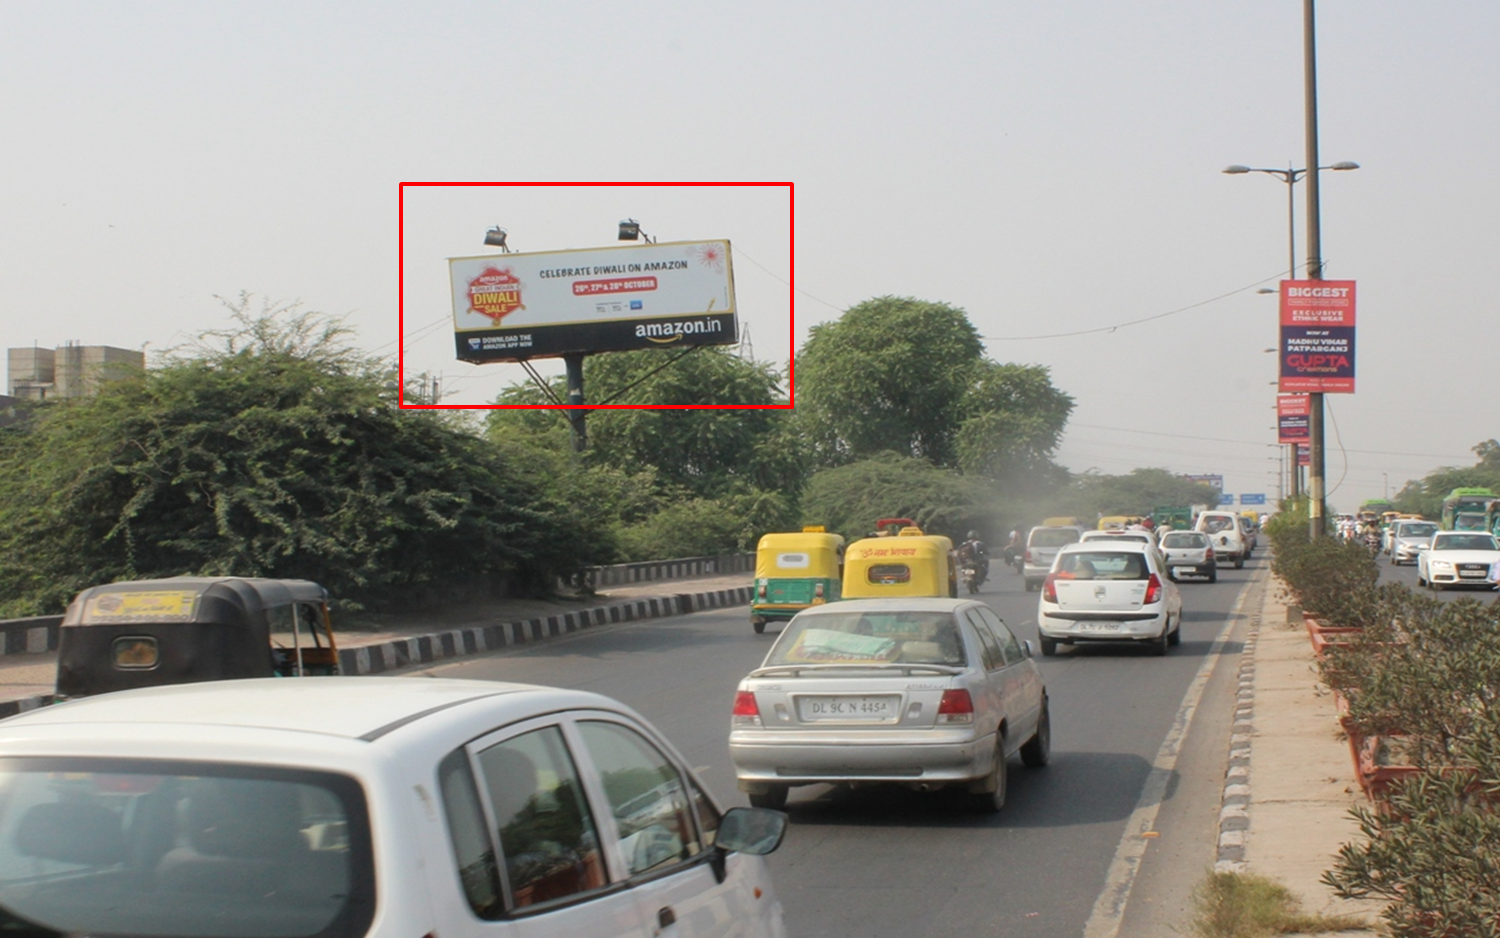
(1223,530)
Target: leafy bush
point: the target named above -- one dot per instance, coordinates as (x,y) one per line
(271,449)
(1330,578)
(1433,850)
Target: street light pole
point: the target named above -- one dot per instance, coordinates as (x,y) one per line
(1316,491)
(1291,176)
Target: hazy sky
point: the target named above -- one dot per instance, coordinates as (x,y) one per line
(1049,167)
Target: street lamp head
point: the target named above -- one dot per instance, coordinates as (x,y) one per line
(630,230)
(1267,290)
(1237,169)
(495,237)
(1344,164)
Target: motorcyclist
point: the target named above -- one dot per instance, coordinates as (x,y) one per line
(1013,547)
(973,551)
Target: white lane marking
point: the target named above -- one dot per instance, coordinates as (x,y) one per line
(1109,908)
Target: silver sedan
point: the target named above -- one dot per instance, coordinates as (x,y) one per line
(927,693)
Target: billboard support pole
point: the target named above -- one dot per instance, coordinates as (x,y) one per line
(576,418)
(1316,492)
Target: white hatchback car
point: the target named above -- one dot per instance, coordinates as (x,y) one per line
(1223,530)
(394,807)
(1109,592)
(1459,558)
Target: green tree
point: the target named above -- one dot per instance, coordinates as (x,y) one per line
(1014,420)
(891,375)
(849,499)
(267,449)
(1425,496)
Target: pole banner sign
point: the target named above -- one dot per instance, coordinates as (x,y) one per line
(1317,336)
(1292,412)
(1304,454)
(512,307)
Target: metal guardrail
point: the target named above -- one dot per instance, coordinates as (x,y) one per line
(647,571)
(29,636)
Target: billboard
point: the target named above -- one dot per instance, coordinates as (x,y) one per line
(1217,481)
(513,307)
(1317,336)
(1292,414)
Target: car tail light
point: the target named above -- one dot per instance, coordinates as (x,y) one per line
(1153,590)
(1208,553)
(746,710)
(818,591)
(1027,558)
(956,707)
(1049,588)
(761,591)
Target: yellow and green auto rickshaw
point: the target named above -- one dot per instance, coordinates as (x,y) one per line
(910,563)
(794,571)
(147,633)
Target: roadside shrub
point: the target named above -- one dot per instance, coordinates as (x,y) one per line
(1330,578)
(1433,851)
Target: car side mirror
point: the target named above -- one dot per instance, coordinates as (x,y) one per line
(1026,644)
(756,831)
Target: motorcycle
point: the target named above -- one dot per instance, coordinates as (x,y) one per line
(971,577)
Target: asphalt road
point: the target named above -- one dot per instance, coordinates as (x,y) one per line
(890,862)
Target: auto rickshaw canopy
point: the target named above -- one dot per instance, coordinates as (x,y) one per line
(912,564)
(146,633)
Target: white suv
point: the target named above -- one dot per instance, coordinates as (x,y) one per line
(379,807)
(1224,532)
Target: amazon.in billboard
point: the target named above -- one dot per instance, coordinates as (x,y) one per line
(513,307)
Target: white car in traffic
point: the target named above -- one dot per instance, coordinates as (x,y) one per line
(1224,532)
(1409,539)
(1109,592)
(1459,558)
(377,807)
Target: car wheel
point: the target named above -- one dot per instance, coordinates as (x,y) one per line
(991,796)
(1038,748)
(759,627)
(1049,647)
(1175,638)
(1393,561)
(1160,643)
(1239,562)
(1031,586)
(774,797)
(1213,576)
(1420,581)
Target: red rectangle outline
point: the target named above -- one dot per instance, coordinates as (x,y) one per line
(791,305)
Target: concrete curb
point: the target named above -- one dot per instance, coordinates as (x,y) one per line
(456,643)
(1234,809)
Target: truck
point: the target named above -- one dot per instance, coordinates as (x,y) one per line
(1464,508)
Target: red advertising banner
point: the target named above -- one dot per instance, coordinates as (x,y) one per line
(1292,413)
(1317,336)
(1304,454)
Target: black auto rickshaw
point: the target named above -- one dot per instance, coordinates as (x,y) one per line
(146,633)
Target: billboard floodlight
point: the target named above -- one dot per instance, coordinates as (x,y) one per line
(630,230)
(495,237)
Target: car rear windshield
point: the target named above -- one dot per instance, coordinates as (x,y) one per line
(1180,539)
(184,849)
(870,638)
(1054,537)
(1102,565)
(1215,525)
(1417,530)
